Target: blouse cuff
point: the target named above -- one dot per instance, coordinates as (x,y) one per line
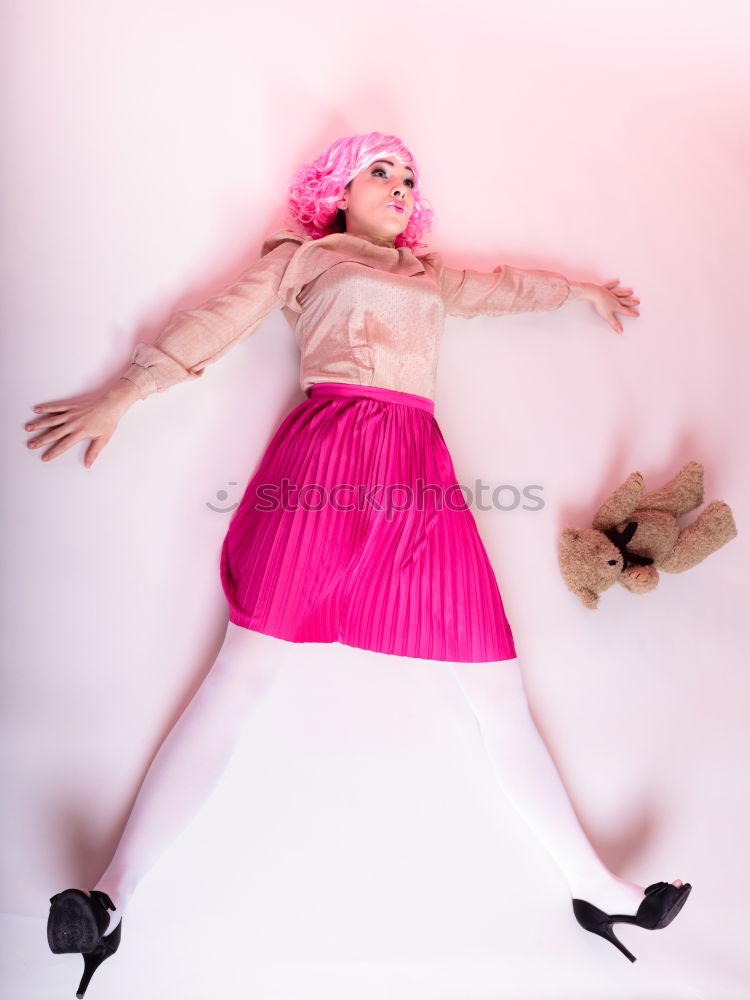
(142,378)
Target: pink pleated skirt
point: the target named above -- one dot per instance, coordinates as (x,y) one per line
(354,529)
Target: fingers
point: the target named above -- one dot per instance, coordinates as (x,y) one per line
(615,323)
(65,422)
(55,428)
(51,421)
(38,442)
(62,445)
(56,407)
(625,307)
(93,450)
(613,287)
(626,303)
(63,433)
(54,419)
(629,310)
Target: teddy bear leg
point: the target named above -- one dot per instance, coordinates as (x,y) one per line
(713,528)
(683,492)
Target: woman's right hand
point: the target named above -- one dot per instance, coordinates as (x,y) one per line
(65,422)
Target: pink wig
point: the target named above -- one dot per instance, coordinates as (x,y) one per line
(317,186)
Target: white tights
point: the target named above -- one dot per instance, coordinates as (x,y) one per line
(193,756)
(531,781)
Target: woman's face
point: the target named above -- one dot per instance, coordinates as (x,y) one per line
(368,202)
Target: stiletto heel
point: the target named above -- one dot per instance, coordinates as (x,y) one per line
(76,923)
(660,905)
(598,922)
(93,959)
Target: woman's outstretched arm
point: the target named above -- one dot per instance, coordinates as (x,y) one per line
(507,289)
(193,339)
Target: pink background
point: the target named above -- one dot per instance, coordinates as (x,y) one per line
(358,844)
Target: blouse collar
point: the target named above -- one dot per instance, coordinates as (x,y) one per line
(396,260)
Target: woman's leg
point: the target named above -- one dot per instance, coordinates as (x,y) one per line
(529,777)
(190,761)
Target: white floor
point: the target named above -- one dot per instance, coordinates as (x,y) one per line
(368,854)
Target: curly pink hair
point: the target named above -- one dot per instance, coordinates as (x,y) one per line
(317,186)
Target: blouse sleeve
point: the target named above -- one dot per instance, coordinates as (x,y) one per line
(194,338)
(505,289)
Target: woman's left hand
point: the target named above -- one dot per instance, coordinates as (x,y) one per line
(610,299)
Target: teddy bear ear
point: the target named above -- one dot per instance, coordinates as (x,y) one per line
(590,599)
(568,535)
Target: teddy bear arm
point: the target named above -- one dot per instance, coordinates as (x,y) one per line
(620,504)
(613,511)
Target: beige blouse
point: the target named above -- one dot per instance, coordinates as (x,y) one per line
(361,313)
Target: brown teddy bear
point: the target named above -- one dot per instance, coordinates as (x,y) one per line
(634,535)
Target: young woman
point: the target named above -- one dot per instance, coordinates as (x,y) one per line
(353,528)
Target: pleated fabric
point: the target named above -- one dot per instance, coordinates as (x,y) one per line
(354,529)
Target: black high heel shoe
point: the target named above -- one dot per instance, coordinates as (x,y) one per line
(661,904)
(76,922)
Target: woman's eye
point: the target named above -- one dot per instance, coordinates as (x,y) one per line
(380,170)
